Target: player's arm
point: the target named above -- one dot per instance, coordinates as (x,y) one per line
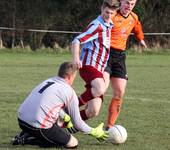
(137,30)
(79,124)
(74,113)
(75,50)
(88,35)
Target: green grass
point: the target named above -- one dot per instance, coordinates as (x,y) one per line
(145,112)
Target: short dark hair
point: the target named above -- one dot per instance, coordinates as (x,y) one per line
(66,69)
(115,5)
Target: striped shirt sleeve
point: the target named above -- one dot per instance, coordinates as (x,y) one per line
(89,34)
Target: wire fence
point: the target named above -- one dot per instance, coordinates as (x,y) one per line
(37,38)
(64,32)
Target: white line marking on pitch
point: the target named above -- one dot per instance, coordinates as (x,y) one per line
(139,98)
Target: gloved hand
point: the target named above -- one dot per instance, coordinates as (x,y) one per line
(99,133)
(68,124)
(67,121)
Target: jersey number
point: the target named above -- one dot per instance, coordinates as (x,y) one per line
(45,86)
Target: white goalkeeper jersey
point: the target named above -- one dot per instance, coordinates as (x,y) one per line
(42,106)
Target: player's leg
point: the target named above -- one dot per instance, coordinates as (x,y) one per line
(93,89)
(54,136)
(98,87)
(72,143)
(118,87)
(118,73)
(106,79)
(24,138)
(93,106)
(59,137)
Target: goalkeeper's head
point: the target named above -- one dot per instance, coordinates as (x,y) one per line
(68,71)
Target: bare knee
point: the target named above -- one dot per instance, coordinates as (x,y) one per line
(98,90)
(119,87)
(101,91)
(93,107)
(93,112)
(119,93)
(72,143)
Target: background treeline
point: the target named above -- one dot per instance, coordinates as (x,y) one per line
(71,15)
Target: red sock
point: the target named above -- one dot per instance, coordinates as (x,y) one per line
(114,110)
(85,97)
(83,114)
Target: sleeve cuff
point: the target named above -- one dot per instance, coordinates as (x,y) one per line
(76,41)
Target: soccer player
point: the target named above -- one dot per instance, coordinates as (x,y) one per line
(95,47)
(38,114)
(125,22)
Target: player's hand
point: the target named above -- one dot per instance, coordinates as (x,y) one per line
(142,42)
(78,63)
(67,121)
(69,125)
(99,133)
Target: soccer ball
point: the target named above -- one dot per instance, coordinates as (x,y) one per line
(117,134)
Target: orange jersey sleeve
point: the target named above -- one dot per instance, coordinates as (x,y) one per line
(137,30)
(122,27)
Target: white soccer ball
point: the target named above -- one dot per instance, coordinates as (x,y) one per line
(117,134)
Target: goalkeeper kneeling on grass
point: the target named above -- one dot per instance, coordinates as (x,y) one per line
(39,113)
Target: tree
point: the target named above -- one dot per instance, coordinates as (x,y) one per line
(68,15)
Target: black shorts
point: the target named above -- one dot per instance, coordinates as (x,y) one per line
(116,65)
(54,136)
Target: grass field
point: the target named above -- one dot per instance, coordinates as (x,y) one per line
(145,112)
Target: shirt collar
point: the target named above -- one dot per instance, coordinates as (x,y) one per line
(110,25)
(58,78)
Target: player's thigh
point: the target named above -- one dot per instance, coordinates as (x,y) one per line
(98,86)
(106,78)
(55,135)
(118,66)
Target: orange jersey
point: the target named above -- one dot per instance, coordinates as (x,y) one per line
(122,28)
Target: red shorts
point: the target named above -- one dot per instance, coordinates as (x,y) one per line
(89,73)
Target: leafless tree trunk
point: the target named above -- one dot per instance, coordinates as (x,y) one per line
(13,23)
(1,43)
(21,40)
